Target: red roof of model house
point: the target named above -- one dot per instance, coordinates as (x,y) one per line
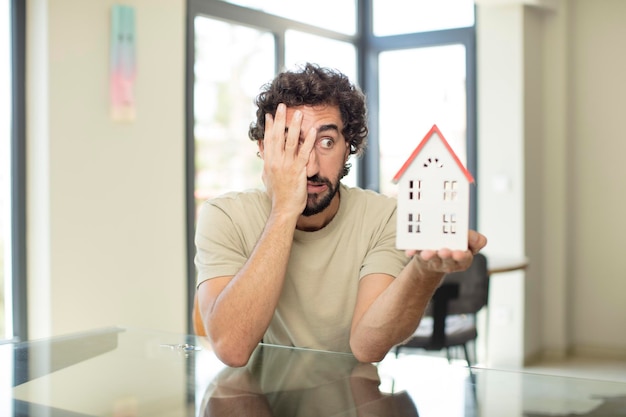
(429,136)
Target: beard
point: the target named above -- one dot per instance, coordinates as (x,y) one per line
(316,203)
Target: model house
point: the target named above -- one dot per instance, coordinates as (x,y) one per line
(433,197)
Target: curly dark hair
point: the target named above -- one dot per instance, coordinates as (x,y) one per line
(312,85)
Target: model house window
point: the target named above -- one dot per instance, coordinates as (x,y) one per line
(415,190)
(414,222)
(433,162)
(450,190)
(449,229)
(449,223)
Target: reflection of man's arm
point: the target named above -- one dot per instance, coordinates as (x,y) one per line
(245,405)
(369,401)
(364,383)
(236,394)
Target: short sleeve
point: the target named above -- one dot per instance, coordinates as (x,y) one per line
(383,257)
(219,249)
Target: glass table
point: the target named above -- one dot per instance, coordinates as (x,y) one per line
(131,372)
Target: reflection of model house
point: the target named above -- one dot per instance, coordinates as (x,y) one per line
(433,197)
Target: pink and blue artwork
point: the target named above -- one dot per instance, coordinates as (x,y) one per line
(123,69)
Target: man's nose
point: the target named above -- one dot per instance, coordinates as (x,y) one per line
(312,167)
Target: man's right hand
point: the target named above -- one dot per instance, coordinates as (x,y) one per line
(285,159)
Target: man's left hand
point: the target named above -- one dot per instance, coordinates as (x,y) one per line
(446,260)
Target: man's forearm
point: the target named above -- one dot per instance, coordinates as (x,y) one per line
(238,316)
(395,313)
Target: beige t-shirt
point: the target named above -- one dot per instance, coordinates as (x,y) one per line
(319,294)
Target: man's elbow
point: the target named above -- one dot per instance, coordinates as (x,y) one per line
(231,354)
(368,355)
(233,360)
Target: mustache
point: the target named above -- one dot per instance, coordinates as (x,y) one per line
(318,180)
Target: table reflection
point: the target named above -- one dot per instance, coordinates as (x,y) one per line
(281,382)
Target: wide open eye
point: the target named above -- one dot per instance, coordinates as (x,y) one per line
(326,143)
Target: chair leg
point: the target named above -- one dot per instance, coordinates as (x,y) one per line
(448,355)
(467,358)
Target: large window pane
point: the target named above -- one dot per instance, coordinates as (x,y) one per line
(337,15)
(5,173)
(231,64)
(303,47)
(419,88)
(393,17)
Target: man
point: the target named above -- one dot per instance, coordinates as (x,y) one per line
(309,262)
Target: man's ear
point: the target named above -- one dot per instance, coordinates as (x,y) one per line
(260,143)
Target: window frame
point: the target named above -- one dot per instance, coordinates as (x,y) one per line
(368,51)
(368,47)
(18,170)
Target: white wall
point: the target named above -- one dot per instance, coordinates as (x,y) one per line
(596,175)
(106,202)
(500,160)
(551,98)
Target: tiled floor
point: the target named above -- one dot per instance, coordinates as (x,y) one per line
(591,392)
(578,367)
(589,368)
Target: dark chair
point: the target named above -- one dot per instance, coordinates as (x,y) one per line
(450,319)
